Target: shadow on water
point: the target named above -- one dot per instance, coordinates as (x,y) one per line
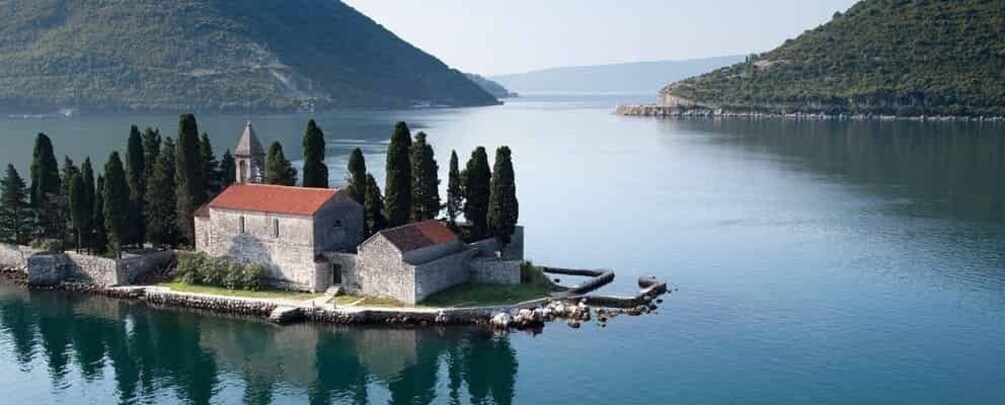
(178,354)
(937,170)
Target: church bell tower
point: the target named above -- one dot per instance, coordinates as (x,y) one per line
(249,157)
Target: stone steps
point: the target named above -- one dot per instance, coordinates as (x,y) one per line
(284,314)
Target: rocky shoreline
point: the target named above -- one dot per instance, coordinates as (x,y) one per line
(530,315)
(652,110)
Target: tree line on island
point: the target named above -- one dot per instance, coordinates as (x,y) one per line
(150,196)
(488,202)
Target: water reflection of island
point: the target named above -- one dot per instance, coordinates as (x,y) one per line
(174,353)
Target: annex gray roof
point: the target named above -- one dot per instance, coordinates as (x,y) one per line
(249,144)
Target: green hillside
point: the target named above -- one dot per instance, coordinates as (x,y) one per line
(213,55)
(899,57)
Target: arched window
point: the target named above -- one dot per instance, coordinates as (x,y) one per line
(242,171)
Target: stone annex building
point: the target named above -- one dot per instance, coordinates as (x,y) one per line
(311,239)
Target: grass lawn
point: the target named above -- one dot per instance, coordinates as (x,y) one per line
(357,301)
(202,289)
(486,294)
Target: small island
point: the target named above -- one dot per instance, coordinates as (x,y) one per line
(252,235)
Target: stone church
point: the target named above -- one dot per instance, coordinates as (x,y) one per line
(311,239)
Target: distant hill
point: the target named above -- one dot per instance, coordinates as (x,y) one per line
(638,77)
(494,88)
(897,57)
(179,55)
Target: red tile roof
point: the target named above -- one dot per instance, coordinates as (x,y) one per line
(419,235)
(273,199)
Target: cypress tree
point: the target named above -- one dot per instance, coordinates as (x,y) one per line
(455,194)
(504,209)
(67,173)
(425,180)
(373,207)
(162,211)
(99,244)
(279,170)
(16,216)
(151,151)
(80,217)
(398,190)
(228,170)
(315,170)
(87,177)
(191,189)
(45,186)
(210,167)
(133,233)
(357,176)
(477,189)
(116,203)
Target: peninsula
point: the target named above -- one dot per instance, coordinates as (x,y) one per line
(880,59)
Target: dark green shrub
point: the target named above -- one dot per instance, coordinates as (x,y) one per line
(234,278)
(197,268)
(189,268)
(254,276)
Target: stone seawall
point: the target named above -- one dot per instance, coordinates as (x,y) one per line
(652,110)
(235,306)
(52,268)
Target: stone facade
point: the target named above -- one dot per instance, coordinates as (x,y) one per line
(492,271)
(382,269)
(289,245)
(382,272)
(443,273)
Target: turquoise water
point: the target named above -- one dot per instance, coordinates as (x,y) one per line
(817,262)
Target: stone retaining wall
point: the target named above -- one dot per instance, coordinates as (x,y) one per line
(214,304)
(15,256)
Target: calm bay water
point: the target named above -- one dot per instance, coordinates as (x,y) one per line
(819,262)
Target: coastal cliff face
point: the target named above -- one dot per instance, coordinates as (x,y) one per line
(881,57)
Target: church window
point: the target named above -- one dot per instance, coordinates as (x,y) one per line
(242,224)
(275,228)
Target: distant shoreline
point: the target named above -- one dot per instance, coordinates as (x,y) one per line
(652,110)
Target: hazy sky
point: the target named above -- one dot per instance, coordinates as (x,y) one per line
(511,36)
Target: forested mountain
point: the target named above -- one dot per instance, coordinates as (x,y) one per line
(213,55)
(494,88)
(898,57)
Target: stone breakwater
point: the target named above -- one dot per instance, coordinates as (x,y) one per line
(651,110)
